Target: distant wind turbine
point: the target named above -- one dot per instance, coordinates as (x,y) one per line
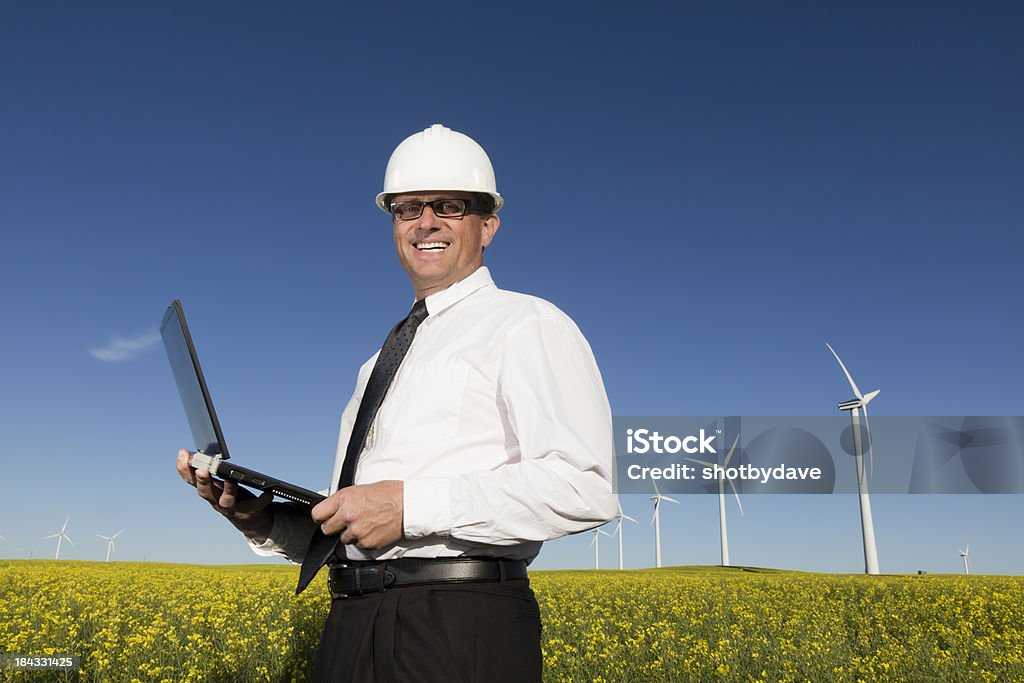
(110,543)
(2,538)
(656,521)
(721,498)
(60,536)
(597,545)
(855,406)
(964,553)
(618,530)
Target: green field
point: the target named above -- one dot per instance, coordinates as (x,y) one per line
(154,622)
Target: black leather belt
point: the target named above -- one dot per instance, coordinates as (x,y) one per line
(360,578)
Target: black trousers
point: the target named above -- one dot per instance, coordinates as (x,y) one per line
(450,633)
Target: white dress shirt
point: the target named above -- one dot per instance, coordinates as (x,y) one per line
(498,423)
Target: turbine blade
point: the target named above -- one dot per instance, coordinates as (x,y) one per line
(871,445)
(736,493)
(629,518)
(52,536)
(733,448)
(68,539)
(701,462)
(671,500)
(856,391)
(117,534)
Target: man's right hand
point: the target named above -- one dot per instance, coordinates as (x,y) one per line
(251,515)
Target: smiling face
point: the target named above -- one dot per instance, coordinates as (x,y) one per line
(438,252)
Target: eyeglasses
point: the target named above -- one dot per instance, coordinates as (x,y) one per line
(442,208)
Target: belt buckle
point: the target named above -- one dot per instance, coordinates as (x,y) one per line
(366,579)
(335,595)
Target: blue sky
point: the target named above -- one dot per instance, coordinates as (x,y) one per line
(711,191)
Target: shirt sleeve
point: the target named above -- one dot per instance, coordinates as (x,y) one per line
(559,482)
(289,537)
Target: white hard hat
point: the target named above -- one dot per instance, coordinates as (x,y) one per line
(439,158)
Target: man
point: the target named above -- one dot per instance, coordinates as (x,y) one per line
(492,435)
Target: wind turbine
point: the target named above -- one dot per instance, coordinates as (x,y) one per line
(656,521)
(618,530)
(963,554)
(597,545)
(721,498)
(855,406)
(110,543)
(60,536)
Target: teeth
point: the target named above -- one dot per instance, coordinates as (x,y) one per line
(431,246)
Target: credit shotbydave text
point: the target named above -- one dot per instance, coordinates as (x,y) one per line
(715,472)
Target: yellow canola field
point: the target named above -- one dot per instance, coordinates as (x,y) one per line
(155,622)
(713,624)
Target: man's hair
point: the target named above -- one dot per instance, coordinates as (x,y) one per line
(485,202)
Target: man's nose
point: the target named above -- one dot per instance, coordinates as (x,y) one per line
(427,219)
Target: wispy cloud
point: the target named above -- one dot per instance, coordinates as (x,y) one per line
(120,348)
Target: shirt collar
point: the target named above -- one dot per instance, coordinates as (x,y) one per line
(439,301)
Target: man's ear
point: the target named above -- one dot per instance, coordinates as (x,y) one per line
(490,226)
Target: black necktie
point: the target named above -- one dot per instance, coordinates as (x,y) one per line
(391,355)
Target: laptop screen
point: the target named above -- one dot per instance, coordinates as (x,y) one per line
(195,397)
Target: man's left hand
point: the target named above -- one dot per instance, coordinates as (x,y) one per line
(367,515)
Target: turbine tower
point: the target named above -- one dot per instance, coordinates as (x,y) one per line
(855,406)
(60,536)
(656,521)
(721,498)
(963,554)
(110,543)
(597,545)
(618,530)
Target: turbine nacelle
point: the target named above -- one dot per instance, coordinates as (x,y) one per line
(621,516)
(110,543)
(859,402)
(60,536)
(597,533)
(721,478)
(657,504)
